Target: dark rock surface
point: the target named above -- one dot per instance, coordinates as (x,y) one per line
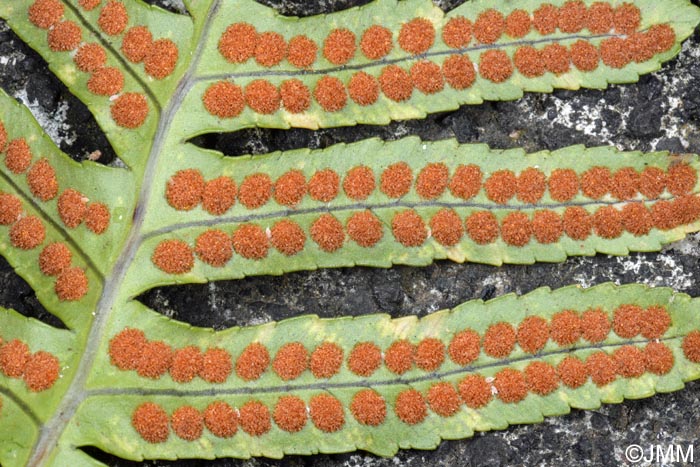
(661,112)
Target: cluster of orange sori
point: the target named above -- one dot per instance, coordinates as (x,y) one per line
(130,109)
(545,226)
(40,370)
(131,350)
(241,42)
(186,189)
(368,407)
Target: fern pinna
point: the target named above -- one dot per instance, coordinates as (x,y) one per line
(90,238)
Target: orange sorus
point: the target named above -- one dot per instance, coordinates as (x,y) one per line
(288,237)
(106,81)
(658,358)
(410,407)
(446,227)
(572,16)
(556,58)
(126,347)
(161,59)
(409,229)
(501,186)
(365,228)
(510,385)
(626,18)
(368,407)
(137,43)
(466,181)
(187,363)
(499,340)
(326,359)
(251,242)
(482,227)
(398,357)
(271,49)
(459,71)
(262,96)
(359,182)
(89,4)
(71,285)
(443,399)
(417,36)
(546,19)
(324,185)
(339,47)
(64,36)
(90,57)
(541,378)
(475,391)
(113,18)
(614,52)
(290,414)
(10,209)
(156,357)
(255,190)
(151,422)
(529,61)
(596,182)
(516,229)
(290,188)
(637,219)
(187,423)
(625,183)
(396,180)
(326,413)
(42,371)
(489,26)
(54,259)
(72,207)
(630,361)
(572,372)
(395,83)
(627,320)
(214,248)
(533,333)
(596,325)
(173,257)
(565,327)
(45,13)
(330,94)
(432,180)
(3,137)
(129,110)
(328,233)
(661,37)
(607,222)
(291,361)
(41,179)
(655,322)
(216,366)
(252,362)
(376,42)
(547,226)
(577,222)
(584,55)
(464,347)
(219,195)
(531,185)
(254,418)
(27,233)
(18,156)
(13,358)
(364,359)
(664,215)
(221,419)
(681,179)
(691,346)
(457,33)
(295,96)
(563,184)
(518,24)
(224,99)
(97,218)
(602,368)
(600,18)
(302,51)
(430,354)
(237,44)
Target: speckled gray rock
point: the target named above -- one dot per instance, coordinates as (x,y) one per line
(661,112)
